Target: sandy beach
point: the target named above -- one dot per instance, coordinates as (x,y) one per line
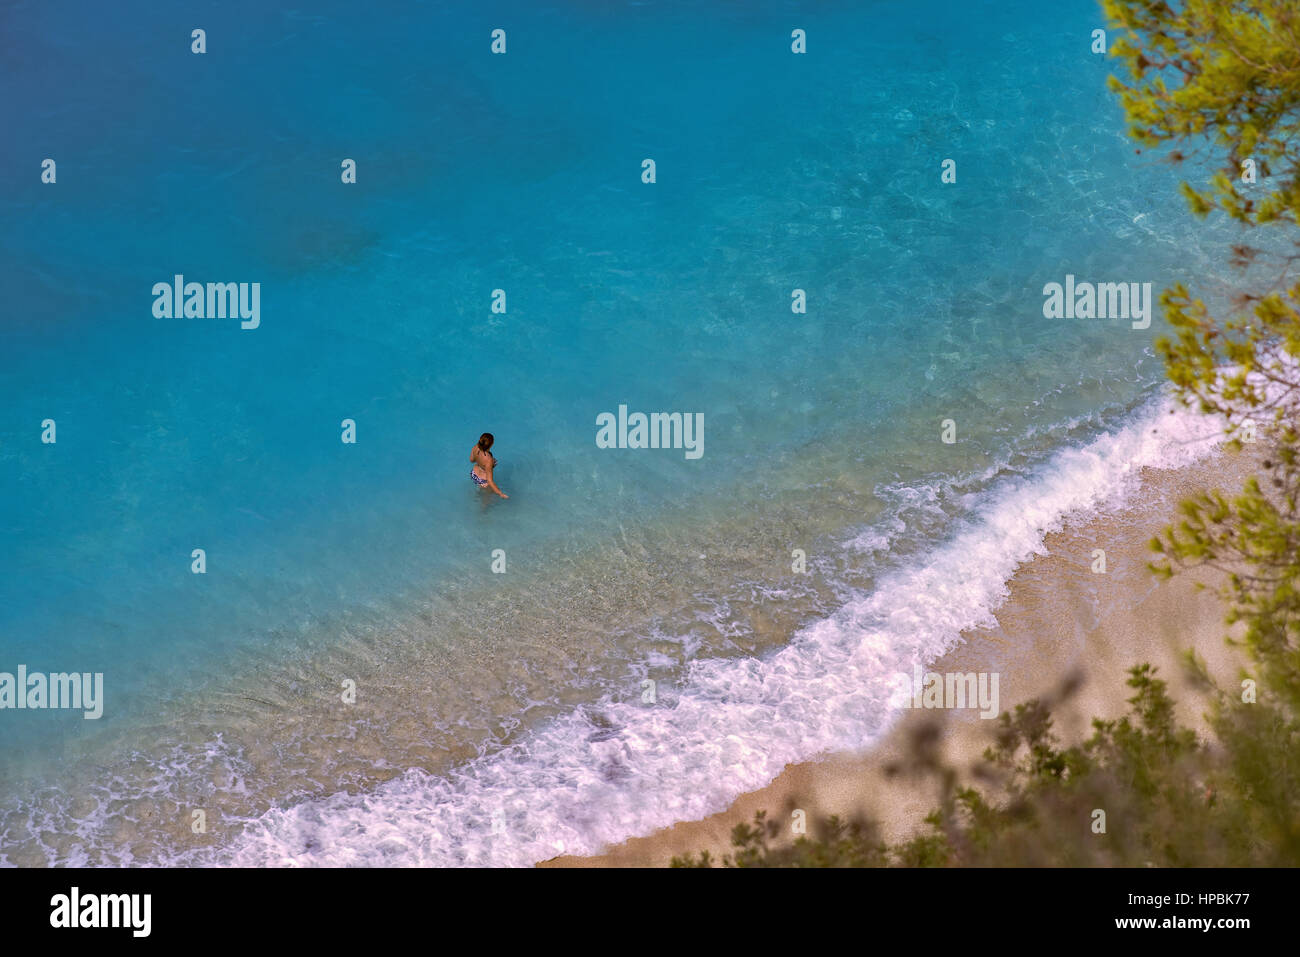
(1061,620)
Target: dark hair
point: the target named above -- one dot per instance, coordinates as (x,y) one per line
(485,441)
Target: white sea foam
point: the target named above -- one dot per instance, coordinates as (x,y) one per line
(603,773)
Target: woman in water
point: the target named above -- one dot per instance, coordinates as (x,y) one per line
(484,462)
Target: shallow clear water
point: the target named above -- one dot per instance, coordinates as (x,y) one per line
(372,561)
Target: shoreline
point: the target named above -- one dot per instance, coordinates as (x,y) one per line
(760,717)
(1060,621)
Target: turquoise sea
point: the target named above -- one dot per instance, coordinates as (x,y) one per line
(648,652)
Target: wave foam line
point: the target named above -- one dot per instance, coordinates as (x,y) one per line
(575,785)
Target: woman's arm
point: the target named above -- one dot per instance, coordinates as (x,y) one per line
(490,481)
